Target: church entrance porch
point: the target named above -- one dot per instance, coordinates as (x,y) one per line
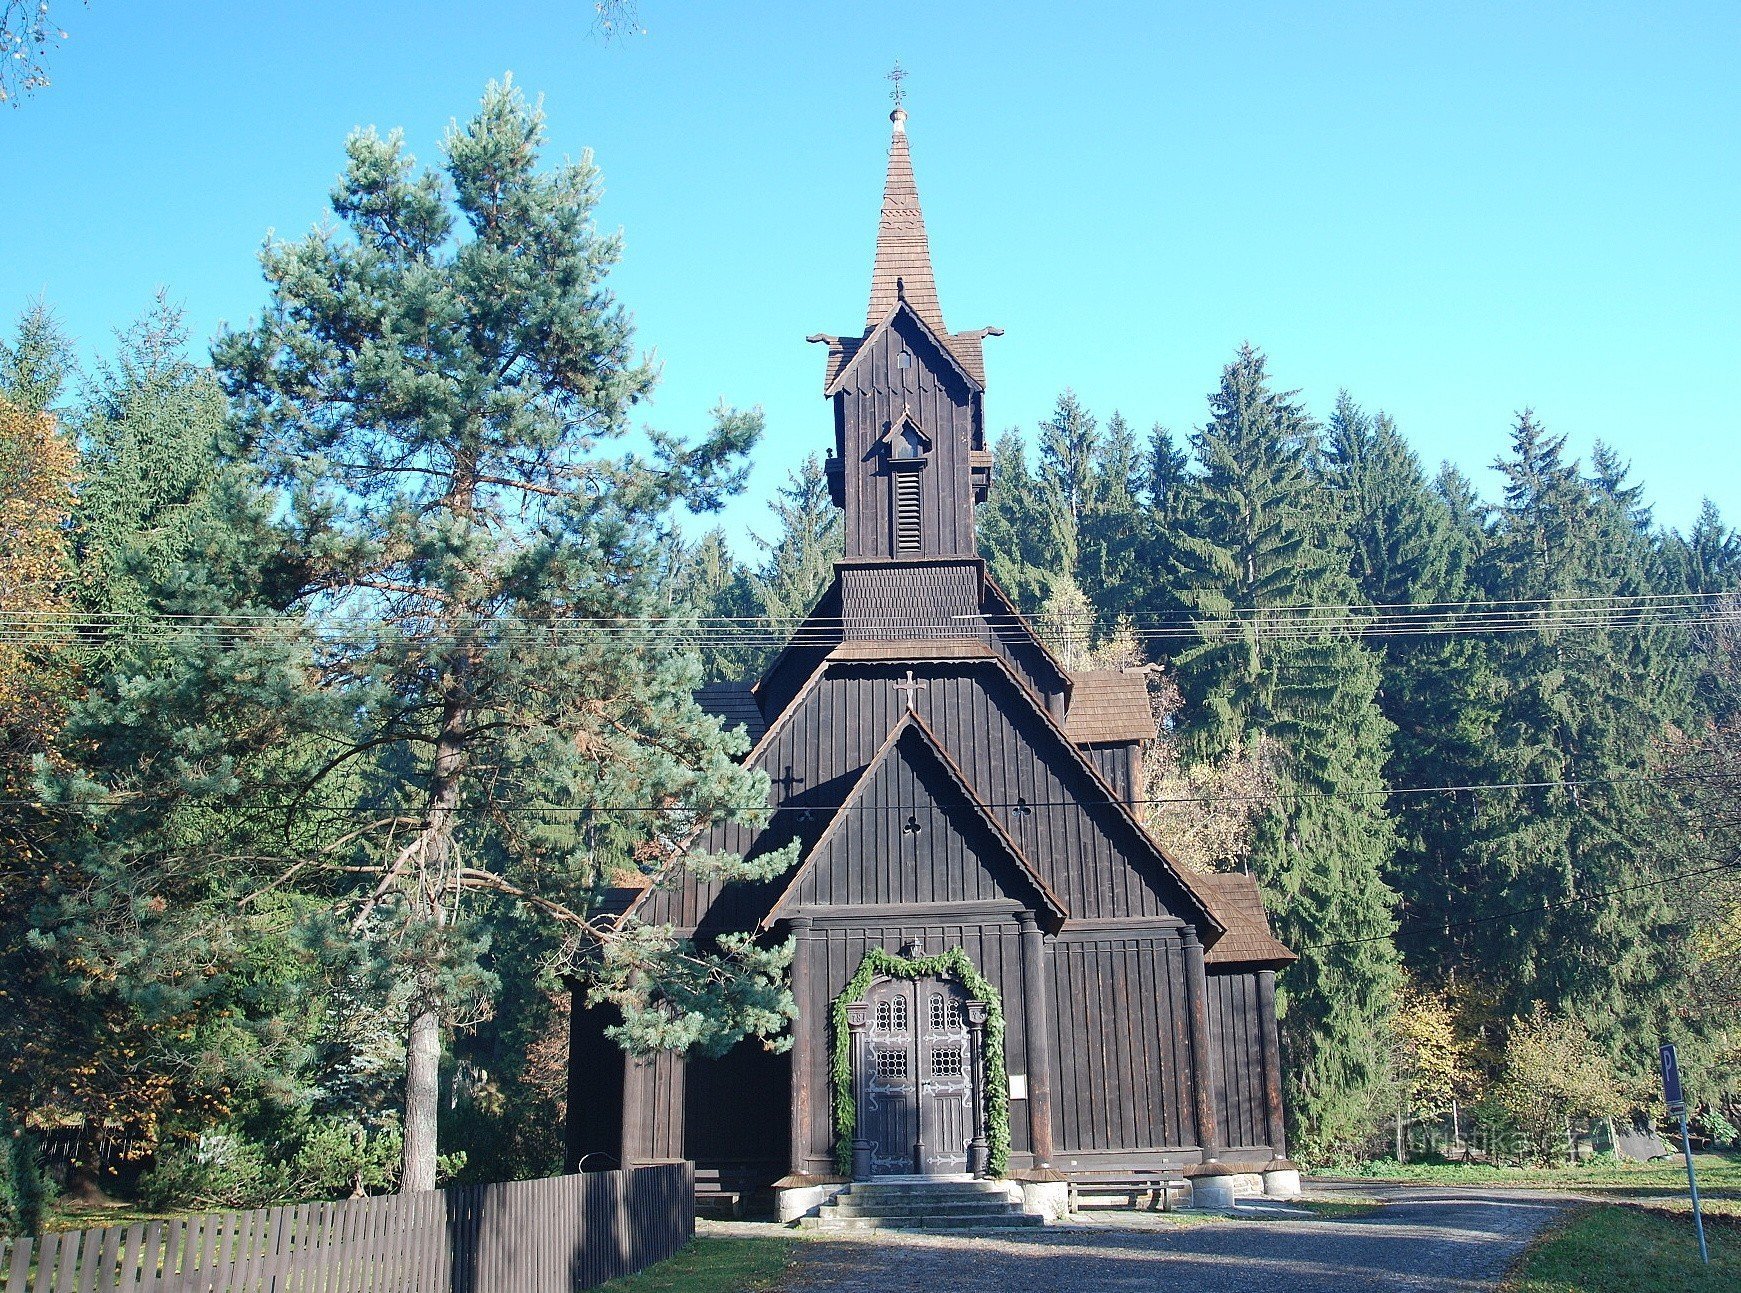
(918,1059)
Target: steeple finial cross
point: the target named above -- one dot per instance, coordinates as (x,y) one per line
(897,75)
(911,687)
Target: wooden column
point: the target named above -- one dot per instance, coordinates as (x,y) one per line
(806,1033)
(979,1148)
(1202,1070)
(572,1148)
(638,1102)
(858,1020)
(1037,1031)
(1272,1061)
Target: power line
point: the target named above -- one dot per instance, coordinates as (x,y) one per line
(1604,611)
(795,806)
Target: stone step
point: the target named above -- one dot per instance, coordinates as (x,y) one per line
(1005,1221)
(921,1184)
(997,1195)
(926,1196)
(975,1208)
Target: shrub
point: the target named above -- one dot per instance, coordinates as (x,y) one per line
(339,1157)
(218,1169)
(1710,1123)
(1552,1073)
(24,1187)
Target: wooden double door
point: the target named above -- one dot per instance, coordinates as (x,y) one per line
(917,1098)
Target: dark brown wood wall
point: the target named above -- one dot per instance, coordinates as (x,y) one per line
(1120,1046)
(902,603)
(905,842)
(1114,763)
(1236,1030)
(1069,830)
(879,391)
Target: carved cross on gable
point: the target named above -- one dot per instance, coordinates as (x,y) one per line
(910,687)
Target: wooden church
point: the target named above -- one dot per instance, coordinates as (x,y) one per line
(996,968)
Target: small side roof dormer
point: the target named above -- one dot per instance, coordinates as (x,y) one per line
(905,441)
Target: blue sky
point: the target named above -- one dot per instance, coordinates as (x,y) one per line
(1453,210)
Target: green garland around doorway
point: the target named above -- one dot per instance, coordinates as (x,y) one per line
(879,963)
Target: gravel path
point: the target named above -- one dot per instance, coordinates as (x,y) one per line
(1437,1239)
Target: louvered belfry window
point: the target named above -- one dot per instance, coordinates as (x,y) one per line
(906,512)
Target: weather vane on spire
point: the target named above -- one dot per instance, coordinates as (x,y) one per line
(898,75)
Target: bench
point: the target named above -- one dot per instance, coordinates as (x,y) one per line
(1155,1185)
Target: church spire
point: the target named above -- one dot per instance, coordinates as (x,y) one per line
(903,264)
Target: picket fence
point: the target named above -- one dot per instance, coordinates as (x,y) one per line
(549,1236)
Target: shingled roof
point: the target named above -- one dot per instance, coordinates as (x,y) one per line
(1234,898)
(903,264)
(1109,705)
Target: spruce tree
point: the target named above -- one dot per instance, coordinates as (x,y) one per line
(798,564)
(1408,550)
(1069,444)
(1112,541)
(1015,527)
(149,429)
(706,580)
(1580,708)
(1264,540)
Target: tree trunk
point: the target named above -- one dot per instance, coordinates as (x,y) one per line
(422,1093)
(1401,1155)
(431,855)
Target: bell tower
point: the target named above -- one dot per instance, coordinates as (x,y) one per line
(909,459)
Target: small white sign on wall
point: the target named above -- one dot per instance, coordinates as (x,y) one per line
(1018,1086)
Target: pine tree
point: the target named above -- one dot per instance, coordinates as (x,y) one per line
(1264,540)
(438,395)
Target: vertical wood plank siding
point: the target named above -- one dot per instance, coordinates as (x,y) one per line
(940,401)
(1236,1028)
(1057,813)
(1121,1056)
(549,1236)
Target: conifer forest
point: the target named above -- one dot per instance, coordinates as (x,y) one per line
(342,673)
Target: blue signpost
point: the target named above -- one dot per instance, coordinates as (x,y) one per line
(1677,1105)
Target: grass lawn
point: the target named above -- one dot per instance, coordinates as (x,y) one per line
(714,1264)
(1659,1184)
(63,1215)
(1606,1249)
(1338,1208)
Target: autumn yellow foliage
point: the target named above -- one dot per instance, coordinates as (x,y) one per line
(38,466)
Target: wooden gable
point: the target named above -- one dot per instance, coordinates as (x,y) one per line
(1042,791)
(913,833)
